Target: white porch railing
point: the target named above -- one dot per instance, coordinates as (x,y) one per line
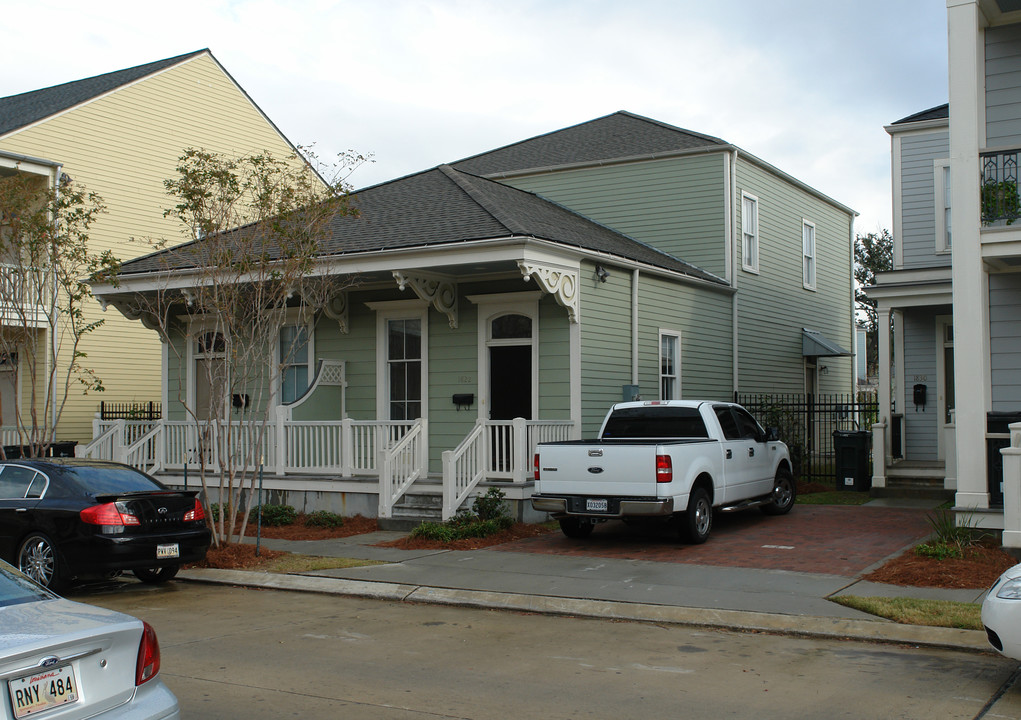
(402,464)
(1012,489)
(497,450)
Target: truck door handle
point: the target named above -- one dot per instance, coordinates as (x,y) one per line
(751,452)
(730,454)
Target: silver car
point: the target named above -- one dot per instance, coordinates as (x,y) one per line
(1001,613)
(62,660)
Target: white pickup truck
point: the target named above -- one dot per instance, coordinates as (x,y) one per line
(677,460)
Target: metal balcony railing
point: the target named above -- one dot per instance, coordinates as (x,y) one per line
(998,184)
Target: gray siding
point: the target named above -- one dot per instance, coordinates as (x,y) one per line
(918,198)
(674,204)
(773,305)
(920,426)
(1003,86)
(1005,341)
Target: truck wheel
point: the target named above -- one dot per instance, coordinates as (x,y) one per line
(697,522)
(785,492)
(576,528)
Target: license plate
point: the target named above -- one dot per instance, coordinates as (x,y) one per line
(171,550)
(597,505)
(46,689)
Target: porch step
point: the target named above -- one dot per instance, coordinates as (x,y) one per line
(927,487)
(413,509)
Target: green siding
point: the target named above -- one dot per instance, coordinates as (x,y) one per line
(704,319)
(773,306)
(554,361)
(177,380)
(674,204)
(453,368)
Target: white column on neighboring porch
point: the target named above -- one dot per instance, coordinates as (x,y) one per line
(881,434)
(971,307)
(1012,489)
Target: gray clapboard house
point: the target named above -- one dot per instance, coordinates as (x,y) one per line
(522,291)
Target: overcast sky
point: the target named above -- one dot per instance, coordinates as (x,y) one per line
(806,85)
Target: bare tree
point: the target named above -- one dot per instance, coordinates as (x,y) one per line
(251,293)
(45,263)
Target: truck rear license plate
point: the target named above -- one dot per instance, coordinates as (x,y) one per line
(593,505)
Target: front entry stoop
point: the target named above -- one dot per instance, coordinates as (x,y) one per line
(413,509)
(915,479)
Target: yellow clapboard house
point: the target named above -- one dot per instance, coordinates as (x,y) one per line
(120,135)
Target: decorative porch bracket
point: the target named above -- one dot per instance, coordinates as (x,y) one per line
(561,284)
(337,309)
(435,289)
(148,319)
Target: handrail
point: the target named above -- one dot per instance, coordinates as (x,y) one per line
(400,466)
(146,446)
(463,469)
(87,451)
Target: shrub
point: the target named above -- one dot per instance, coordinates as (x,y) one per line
(274,515)
(490,506)
(488,516)
(323,519)
(938,550)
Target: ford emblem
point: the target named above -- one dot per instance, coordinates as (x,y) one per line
(595,470)
(49,661)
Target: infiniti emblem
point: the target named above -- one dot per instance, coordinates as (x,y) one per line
(162,511)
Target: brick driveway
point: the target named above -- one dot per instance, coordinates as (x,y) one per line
(829,539)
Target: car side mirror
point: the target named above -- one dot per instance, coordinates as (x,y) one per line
(772,434)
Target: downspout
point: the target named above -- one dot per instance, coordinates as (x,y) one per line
(854,325)
(730,213)
(634,327)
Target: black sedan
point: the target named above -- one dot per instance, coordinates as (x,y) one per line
(63,519)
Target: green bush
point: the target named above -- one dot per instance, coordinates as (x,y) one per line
(214,511)
(488,516)
(938,550)
(274,515)
(324,519)
(490,506)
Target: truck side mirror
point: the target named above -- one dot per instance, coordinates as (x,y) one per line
(772,434)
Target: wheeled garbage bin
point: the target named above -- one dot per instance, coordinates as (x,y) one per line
(851,448)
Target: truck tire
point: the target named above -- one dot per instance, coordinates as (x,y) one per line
(697,521)
(576,528)
(785,492)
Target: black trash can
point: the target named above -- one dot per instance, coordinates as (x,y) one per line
(997,423)
(851,450)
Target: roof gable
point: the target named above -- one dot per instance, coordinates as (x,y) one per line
(613,137)
(18,111)
(940,112)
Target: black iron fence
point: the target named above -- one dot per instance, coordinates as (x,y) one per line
(130,411)
(807,423)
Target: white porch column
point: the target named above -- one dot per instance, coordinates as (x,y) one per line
(971,307)
(881,456)
(1012,489)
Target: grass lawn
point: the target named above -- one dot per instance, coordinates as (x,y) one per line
(911,611)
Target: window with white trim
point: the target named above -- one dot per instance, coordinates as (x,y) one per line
(295,356)
(210,378)
(669,365)
(404,368)
(808,254)
(941,183)
(749,232)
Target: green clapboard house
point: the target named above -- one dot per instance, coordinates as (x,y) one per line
(516,295)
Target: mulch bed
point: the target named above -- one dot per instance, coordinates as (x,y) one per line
(517,531)
(981,565)
(357,525)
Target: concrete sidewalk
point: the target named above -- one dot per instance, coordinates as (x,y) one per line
(725,597)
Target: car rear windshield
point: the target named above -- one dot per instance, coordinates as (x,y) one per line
(656,422)
(16,589)
(110,479)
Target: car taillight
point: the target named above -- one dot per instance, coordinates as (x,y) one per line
(535,467)
(148,665)
(108,514)
(664,469)
(196,513)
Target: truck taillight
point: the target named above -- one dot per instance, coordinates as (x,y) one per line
(535,467)
(664,469)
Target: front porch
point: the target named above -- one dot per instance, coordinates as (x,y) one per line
(349,466)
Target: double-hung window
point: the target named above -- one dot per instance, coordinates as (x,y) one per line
(749,232)
(669,365)
(404,368)
(941,182)
(294,362)
(808,254)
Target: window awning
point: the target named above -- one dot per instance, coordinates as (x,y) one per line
(815,344)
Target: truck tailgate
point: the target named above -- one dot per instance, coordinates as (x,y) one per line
(598,468)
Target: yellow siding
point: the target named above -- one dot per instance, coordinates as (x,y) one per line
(123,146)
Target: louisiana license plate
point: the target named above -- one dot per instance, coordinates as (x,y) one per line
(597,505)
(46,689)
(170,550)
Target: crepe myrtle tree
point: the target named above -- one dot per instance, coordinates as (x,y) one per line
(45,263)
(253,295)
(873,253)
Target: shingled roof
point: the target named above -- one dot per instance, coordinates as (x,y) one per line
(17,111)
(444,206)
(940,112)
(612,137)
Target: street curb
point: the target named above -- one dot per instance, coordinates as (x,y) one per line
(802,625)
